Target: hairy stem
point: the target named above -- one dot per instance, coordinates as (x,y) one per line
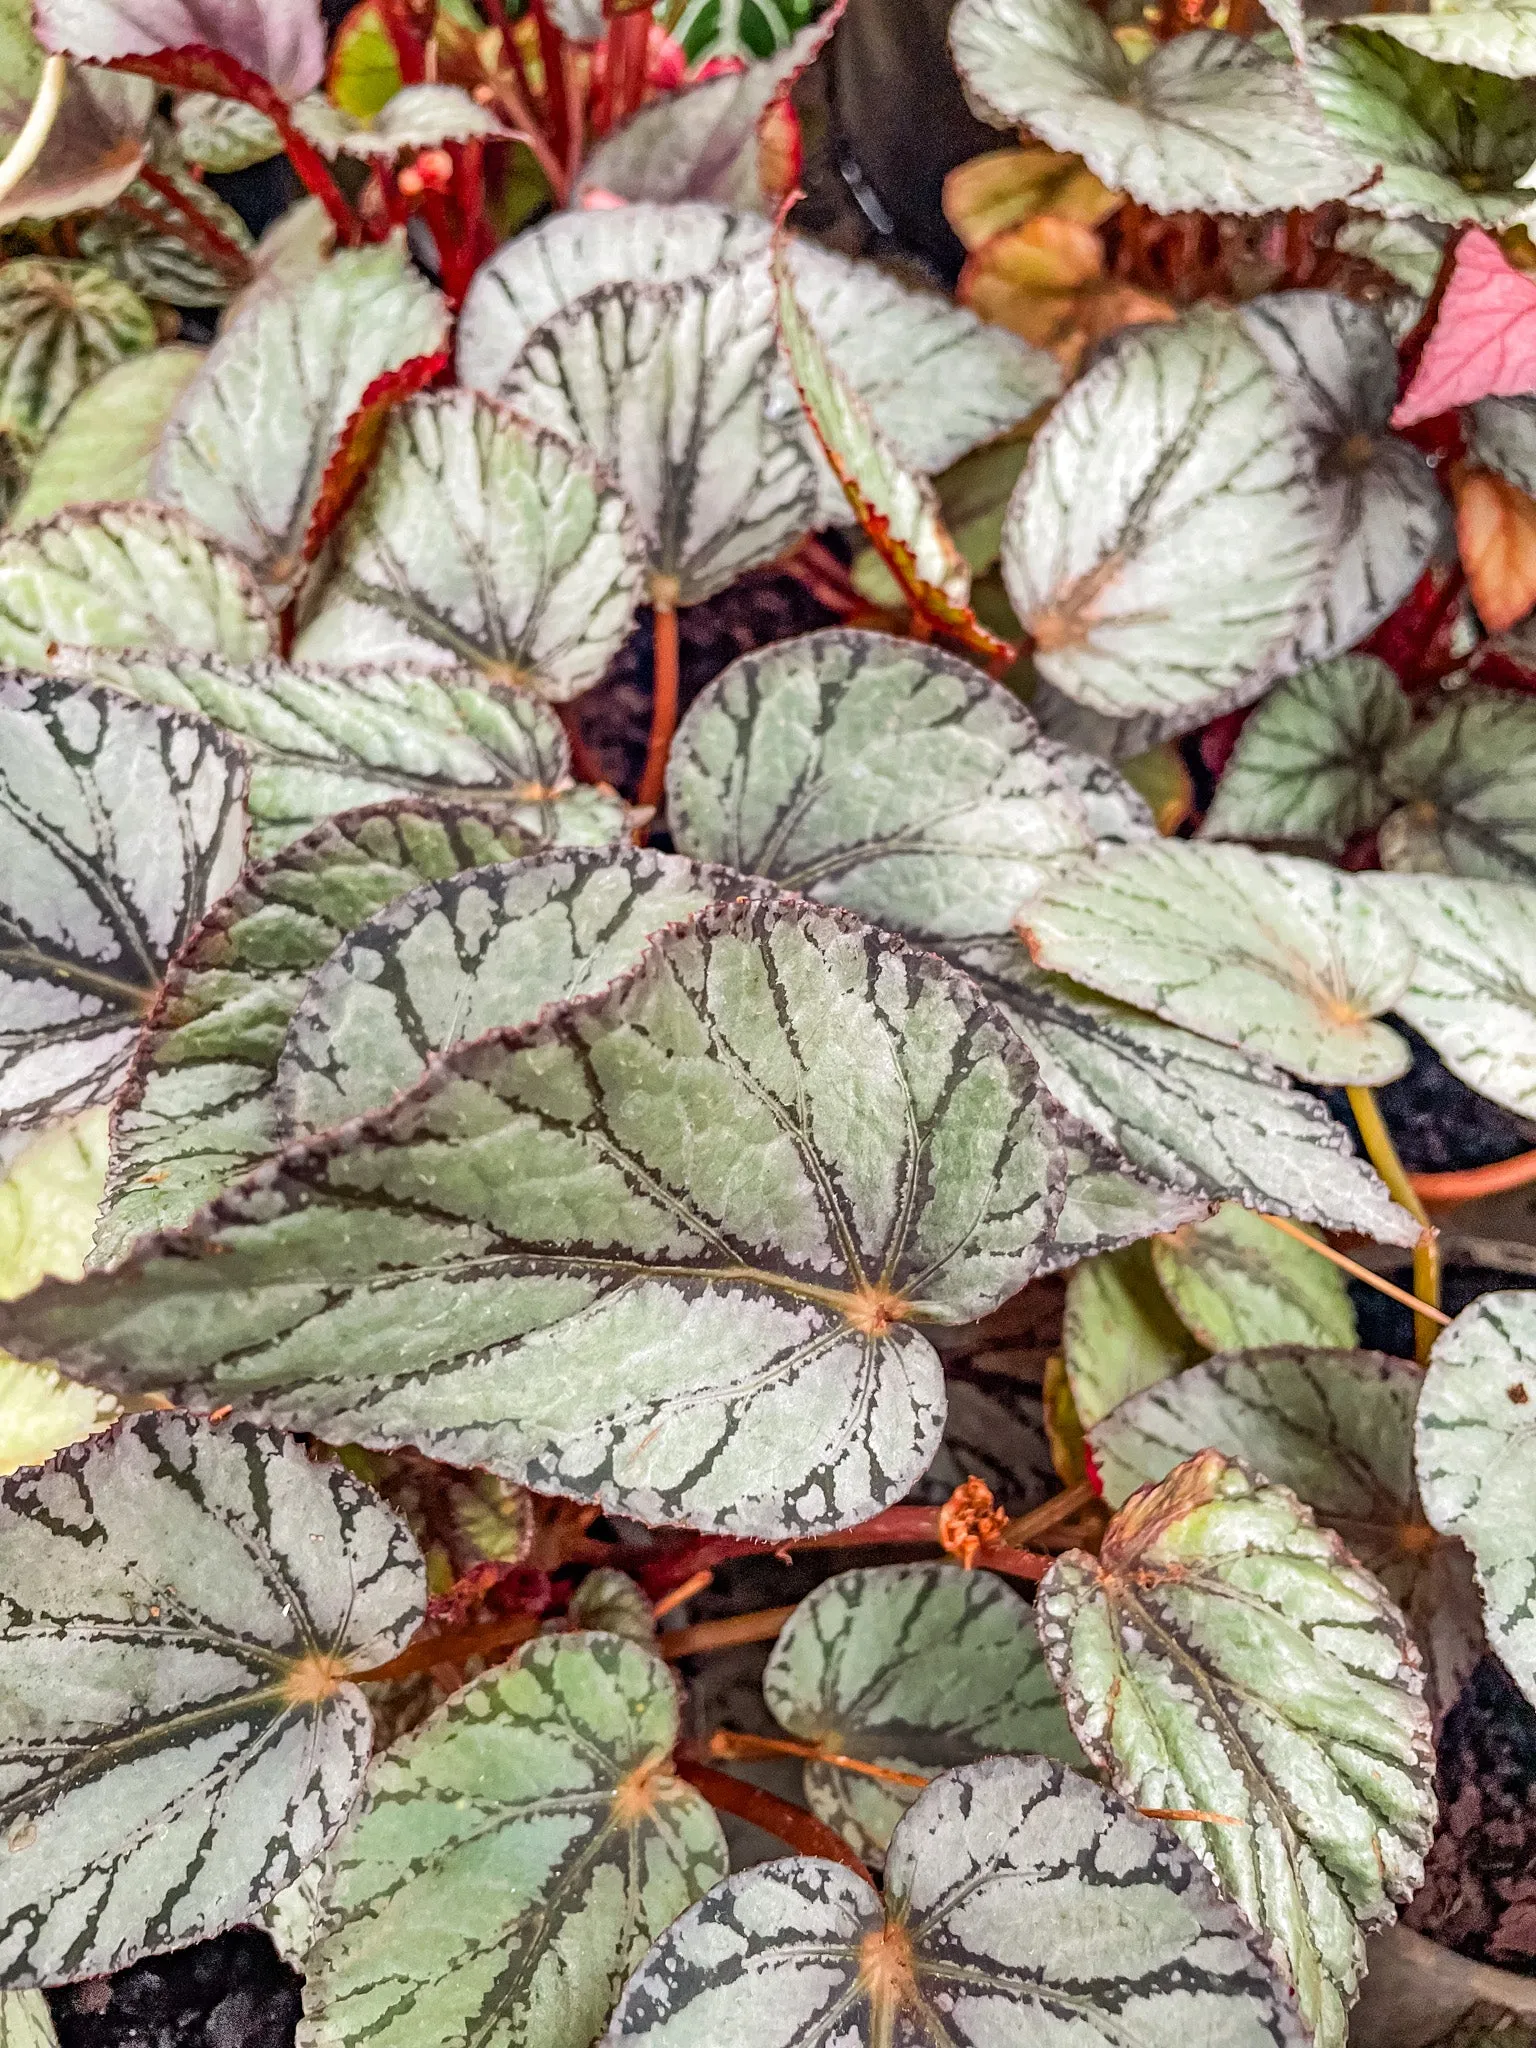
(1373,1130)
(731,1745)
(792,1824)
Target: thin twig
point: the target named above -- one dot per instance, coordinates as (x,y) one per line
(1372,1126)
(681,1593)
(735,1746)
(1357,1271)
(723,1634)
(664,688)
(1023,1529)
(792,1824)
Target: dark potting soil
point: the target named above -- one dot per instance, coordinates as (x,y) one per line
(233,1992)
(1437,1123)
(1385,1326)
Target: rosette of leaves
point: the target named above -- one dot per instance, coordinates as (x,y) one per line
(119,825)
(764,1156)
(915,1667)
(1337,1428)
(183,1608)
(1016,1896)
(1225,1658)
(513,1858)
(1207,123)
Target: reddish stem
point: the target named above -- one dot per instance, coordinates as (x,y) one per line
(1499,1179)
(664,688)
(553,55)
(454,1646)
(409,39)
(200,229)
(792,1824)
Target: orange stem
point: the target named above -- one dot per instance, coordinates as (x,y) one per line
(681,1593)
(1050,1514)
(724,1634)
(453,1646)
(792,1824)
(1359,1272)
(731,1743)
(663,701)
(1499,1179)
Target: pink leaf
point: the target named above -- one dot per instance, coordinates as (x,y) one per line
(1484,342)
(282,41)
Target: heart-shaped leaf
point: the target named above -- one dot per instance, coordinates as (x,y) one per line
(1194,1114)
(119,825)
(1019,1901)
(101,451)
(1338,367)
(1120,1334)
(1235,1280)
(323,740)
(611,1252)
(513,1858)
(175,240)
(62,325)
(1447,143)
(479,540)
(1336,1427)
(196,1112)
(126,576)
(282,41)
(247,450)
(96,142)
(1501,435)
(1169,539)
(1224,1655)
(418,117)
(1465,783)
(1208,123)
(223,135)
(1307,768)
(1472,1446)
(181,1608)
(1473,992)
(457,958)
(889,777)
(1267,952)
(1480,346)
(1500,38)
(917,1667)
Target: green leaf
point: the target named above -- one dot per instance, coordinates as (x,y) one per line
(1194,1114)
(456,958)
(1338,368)
(196,1110)
(96,142)
(1449,143)
(1224,1655)
(1472,1448)
(612,1603)
(25,2021)
(1003,1446)
(41,1412)
(1307,769)
(1020,1902)
(100,452)
(247,450)
(1500,38)
(480,540)
(418,117)
(1235,1280)
(1336,1427)
(1268,952)
(62,325)
(738,28)
(917,1667)
(1168,539)
(323,740)
(181,1606)
(126,576)
(1466,782)
(1109,1201)
(1120,1334)
(1473,992)
(119,825)
(147,239)
(513,1859)
(1208,123)
(223,135)
(662,1249)
(890,777)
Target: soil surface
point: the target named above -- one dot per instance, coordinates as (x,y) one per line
(234,1992)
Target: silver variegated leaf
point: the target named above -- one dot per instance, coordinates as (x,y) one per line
(1336,1427)
(417,117)
(1235,1280)
(1473,1455)
(480,540)
(917,1667)
(126,576)
(196,1111)
(1208,123)
(456,958)
(512,1859)
(1168,538)
(1268,952)
(181,1607)
(1120,1333)
(62,325)
(1501,435)
(246,452)
(101,451)
(1473,992)
(323,740)
(1109,1201)
(1338,368)
(1307,768)
(1194,1114)
(664,1248)
(223,135)
(1500,38)
(119,825)
(1447,143)
(1021,1905)
(147,238)
(890,777)
(1223,1655)
(1465,781)
(25,2021)
(736,28)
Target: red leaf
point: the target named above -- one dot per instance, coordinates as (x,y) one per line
(360,441)
(1484,343)
(1496,535)
(281,41)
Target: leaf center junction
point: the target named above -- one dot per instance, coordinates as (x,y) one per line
(886,1976)
(871,1308)
(637,1796)
(313,1679)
